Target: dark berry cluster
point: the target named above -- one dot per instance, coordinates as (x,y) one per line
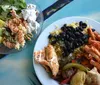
(72,37)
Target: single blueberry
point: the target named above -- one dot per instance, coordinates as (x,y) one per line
(67,36)
(84,25)
(80,23)
(80,28)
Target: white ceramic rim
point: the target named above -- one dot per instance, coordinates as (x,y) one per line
(55,23)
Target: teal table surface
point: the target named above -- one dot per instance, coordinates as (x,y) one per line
(17,68)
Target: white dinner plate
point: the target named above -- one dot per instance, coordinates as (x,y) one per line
(43,41)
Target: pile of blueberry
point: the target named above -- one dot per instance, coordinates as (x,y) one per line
(72,37)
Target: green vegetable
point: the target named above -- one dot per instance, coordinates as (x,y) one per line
(7,5)
(1,39)
(28,36)
(2,23)
(1,30)
(16,3)
(76,65)
(6,33)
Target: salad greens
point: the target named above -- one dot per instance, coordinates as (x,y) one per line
(7,5)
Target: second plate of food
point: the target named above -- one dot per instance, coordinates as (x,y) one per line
(67,49)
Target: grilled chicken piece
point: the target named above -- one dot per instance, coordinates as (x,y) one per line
(40,57)
(52,59)
(48,58)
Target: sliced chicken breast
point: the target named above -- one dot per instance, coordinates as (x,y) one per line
(48,58)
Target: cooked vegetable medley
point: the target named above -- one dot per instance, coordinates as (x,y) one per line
(75,54)
(16,25)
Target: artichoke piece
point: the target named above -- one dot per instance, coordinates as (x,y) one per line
(1,31)
(79,78)
(2,23)
(1,39)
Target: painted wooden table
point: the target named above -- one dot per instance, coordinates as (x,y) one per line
(17,68)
